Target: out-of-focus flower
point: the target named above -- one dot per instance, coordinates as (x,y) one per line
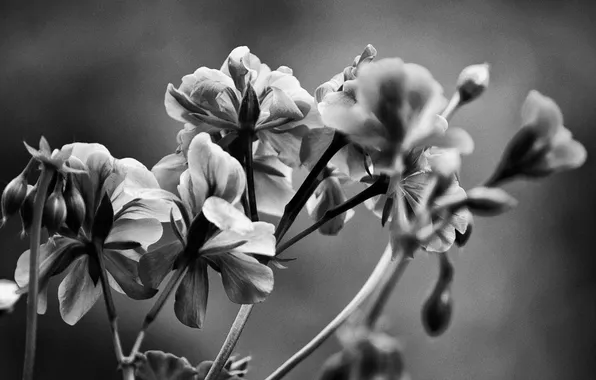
(213,233)
(329,194)
(543,146)
(246,94)
(366,355)
(472,82)
(8,296)
(273,179)
(423,171)
(123,206)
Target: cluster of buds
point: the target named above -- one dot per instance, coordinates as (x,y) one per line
(64,205)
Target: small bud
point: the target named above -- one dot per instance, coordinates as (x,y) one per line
(438,308)
(485,201)
(26,210)
(472,82)
(250,110)
(13,196)
(75,206)
(329,194)
(54,212)
(8,296)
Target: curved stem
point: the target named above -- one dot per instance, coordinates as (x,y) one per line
(230,342)
(376,188)
(309,185)
(110,308)
(32,296)
(384,265)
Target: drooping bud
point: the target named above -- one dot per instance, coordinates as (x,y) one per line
(250,110)
(438,308)
(75,206)
(472,82)
(26,210)
(329,194)
(54,212)
(8,296)
(13,197)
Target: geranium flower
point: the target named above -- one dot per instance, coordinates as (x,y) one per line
(273,179)
(542,146)
(415,186)
(124,207)
(245,94)
(214,233)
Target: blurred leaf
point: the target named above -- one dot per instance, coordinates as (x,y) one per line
(158,365)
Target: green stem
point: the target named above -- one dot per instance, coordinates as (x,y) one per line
(31,334)
(375,189)
(110,308)
(309,185)
(152,314)
(230,342)
(250,179)
(384,265)
(452,106)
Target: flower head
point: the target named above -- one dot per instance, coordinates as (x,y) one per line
(543,146)
(215,233)
(123,209)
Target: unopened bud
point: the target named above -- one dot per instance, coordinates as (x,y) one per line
(54,212)
(13,196)
(75,206)
(438,308)
(26,210)
(250,110)
(472,82)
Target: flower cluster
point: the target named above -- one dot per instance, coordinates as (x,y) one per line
(380,125)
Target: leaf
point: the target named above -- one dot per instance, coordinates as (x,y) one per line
(154,266)
(158,365)
(125,272)
(103,221)
(192,294)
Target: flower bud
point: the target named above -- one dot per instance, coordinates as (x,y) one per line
(438,308)
(329,194)
(26,210)
(472,82)
(13,196)
(54,212)
(250,110)
(75,206)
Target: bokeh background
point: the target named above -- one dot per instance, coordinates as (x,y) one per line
(525,286)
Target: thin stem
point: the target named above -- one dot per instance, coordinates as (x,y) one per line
(452,106)
(384,265)
(309,185)
(110,308)
(387,286)
(157,306)
(230,342)
(250,179)
(376,188)
(31,334)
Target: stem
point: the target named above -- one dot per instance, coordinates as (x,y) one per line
(309,185)
(250,179)
(452,106)
(242,317)
(384,265)
(230,342)
(387,286)
(152,314)
(376,188)
(31,334)
(110,308)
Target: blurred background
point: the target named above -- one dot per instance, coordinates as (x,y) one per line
(525,286)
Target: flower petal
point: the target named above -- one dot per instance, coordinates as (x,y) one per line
(213,172)
(192,294)
(566,156)
(225,216)
(273,192)
(77,292)
(258,241)
(154,266)
(541,113)
(145,231)
(125,273)
(168,170)
(245,280)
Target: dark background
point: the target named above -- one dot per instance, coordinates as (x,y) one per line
(525,286)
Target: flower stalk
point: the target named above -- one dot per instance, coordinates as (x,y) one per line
(32,297)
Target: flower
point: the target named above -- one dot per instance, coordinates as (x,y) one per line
(416,186)
(215,233)
(543,146)
(8,295)
(329,194)
(245,94)
(273,179)
(124,207)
